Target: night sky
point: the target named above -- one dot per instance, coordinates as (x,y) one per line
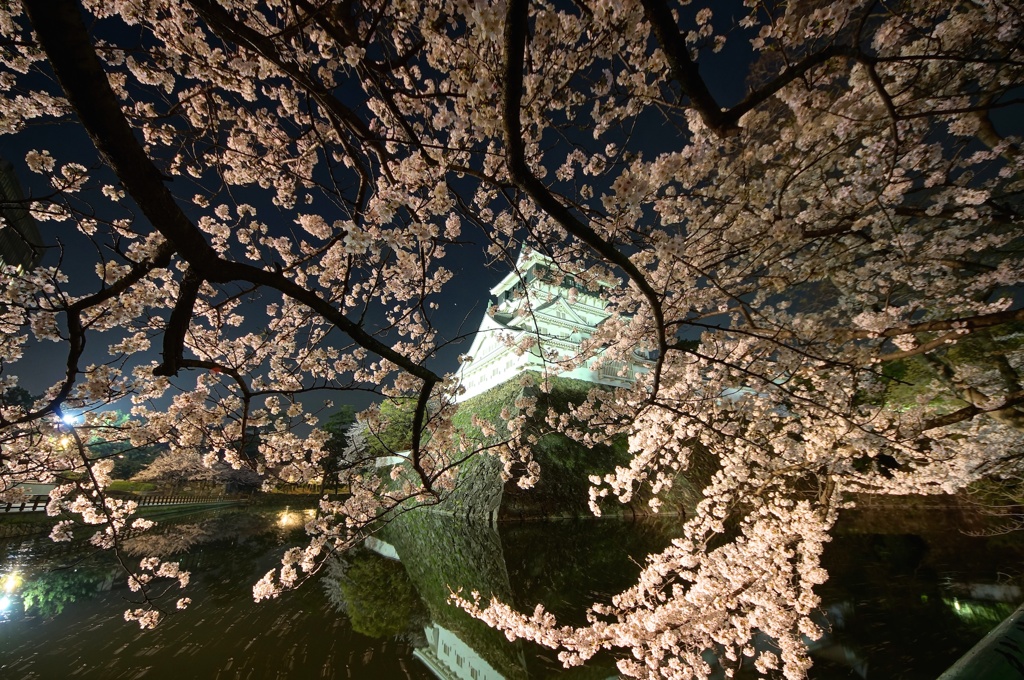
(465,298)
(464,301)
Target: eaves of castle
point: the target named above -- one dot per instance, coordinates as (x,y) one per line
(537,324)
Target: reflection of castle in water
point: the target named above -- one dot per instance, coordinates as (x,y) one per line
(447,656)
(443,554)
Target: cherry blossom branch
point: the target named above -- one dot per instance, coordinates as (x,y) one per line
(685,71)
(1002,410)
(1004,407)
(959,110)
(113,514)
(62,35)
(76,348)
(65,40)
(160,260)
(991,138)
(968,323)
(178,323)
(227,27)
(886,98)
(417,440)
(923,348)
(215,367)
(515,37)
(723,122)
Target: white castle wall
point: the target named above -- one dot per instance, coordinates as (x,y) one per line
(549,319)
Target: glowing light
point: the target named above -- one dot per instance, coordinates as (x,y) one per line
(5,603)
(11,582)
(288,518)
(292,518)
(71,419)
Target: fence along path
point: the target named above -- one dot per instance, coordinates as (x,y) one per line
(33,520)
(143,501)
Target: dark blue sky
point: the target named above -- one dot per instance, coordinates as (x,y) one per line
(464,300)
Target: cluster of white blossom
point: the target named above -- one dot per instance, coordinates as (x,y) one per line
(779,255)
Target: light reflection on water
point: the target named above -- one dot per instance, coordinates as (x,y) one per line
(293,519)
(897,605)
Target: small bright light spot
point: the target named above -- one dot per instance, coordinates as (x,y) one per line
(956,603)
(5,603)
(70,419)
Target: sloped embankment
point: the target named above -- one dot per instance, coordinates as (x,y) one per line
(566,465)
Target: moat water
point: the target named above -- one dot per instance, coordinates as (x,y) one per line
(902,602)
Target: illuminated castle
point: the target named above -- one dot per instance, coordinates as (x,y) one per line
(539,308)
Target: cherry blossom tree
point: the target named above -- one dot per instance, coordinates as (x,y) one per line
(781,202)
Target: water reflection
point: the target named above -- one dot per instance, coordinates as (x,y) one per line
(909,604)
(442,554)
(898,605)
(224,634)
(375,593)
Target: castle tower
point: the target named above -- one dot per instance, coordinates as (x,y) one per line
(541,309)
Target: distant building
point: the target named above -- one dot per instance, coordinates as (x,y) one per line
(539,304)
(21,246)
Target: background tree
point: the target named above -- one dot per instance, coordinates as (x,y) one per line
(108,440)
(391,430)
(17,396)
(338,426)
(278,199)
(173,470)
